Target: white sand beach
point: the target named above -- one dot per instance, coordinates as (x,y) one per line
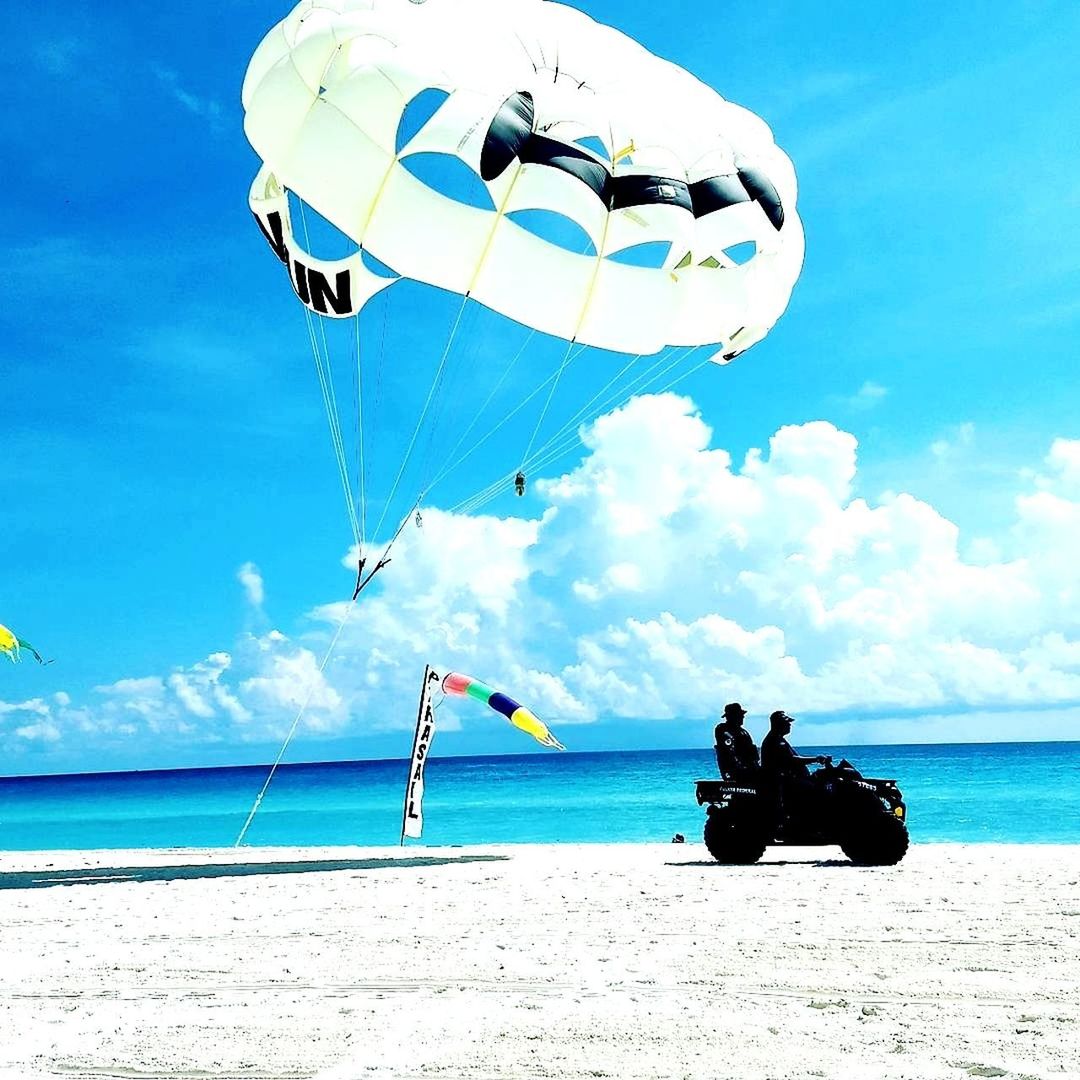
(547,961)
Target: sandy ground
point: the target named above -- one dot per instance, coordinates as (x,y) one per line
(548,961)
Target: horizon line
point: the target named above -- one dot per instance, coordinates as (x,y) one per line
(262,766)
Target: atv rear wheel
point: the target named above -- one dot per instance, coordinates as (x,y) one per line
(876,840)
(734,838)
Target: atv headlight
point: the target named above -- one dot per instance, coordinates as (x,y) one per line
(899,812)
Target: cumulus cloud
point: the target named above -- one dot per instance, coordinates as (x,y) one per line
(34,706)
(867,396)
(249,576)
(1061,475)
(825,602)
(46,731)
(294,680)
(660,578)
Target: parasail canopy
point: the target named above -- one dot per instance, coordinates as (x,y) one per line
(588,221)
(521,154)
(518,715)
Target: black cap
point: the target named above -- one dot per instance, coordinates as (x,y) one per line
(780,716)
(733,708)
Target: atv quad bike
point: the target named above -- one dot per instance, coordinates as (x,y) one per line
(865,816)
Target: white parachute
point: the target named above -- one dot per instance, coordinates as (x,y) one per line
(520,155)
(552,112)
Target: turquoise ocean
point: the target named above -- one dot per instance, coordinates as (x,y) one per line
(1001,792)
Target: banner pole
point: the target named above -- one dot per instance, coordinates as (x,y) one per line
(425,732)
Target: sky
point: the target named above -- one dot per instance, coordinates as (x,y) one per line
(868,520)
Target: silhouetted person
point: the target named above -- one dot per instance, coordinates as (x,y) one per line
(736,754)
(783,769)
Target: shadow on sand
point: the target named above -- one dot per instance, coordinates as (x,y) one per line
(110,875)
(829,863)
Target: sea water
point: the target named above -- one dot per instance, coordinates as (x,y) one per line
(1007,792)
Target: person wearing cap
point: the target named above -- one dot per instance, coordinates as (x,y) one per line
(784,768)
(736,754)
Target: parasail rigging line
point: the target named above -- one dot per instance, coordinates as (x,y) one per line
(435,382)
(484,495)
(573,339)
(361,465)
(686,374)
(583,410)
(324,372)
(336,439)
(487,401)
(509,415)
(590,411)
(581,416)
(373,433)
(506,417)
(568,436)
(368,434)
(296,722)
(571,437)
(453,396)
(547,404)
(361,583)
(452,461)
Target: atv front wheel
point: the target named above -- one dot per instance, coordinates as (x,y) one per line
(734,838)
(877,840)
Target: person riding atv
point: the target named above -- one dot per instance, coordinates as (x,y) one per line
(783,770)
(786,804)
(736,754)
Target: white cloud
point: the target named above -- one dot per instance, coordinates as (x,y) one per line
(660,579)
(292,680)
(959,438)
(853,606)
(249,576)
(43,732)
(189,696)
(34,706)
(208,108)
(1064,467)
(619,577)
(150,685)
(867,396)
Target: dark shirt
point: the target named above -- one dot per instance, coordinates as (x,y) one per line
(778,757)
(736,754)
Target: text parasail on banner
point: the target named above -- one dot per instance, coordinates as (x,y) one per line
(412,815)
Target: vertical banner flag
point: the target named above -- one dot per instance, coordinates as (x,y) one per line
(412,815)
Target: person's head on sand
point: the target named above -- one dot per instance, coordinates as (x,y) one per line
(733,714)
(780,721)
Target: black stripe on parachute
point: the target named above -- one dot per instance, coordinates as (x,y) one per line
(511,136)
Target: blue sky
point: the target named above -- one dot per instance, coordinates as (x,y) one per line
(162,427)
